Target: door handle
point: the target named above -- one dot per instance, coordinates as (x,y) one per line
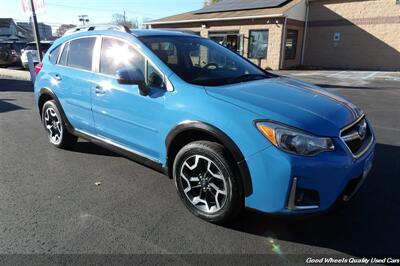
(57,77)
(99,90)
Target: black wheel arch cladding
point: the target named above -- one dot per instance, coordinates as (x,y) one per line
(224,139)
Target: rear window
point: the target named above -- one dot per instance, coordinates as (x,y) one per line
(30,46)
(43,46)
(80,53)
(19,46)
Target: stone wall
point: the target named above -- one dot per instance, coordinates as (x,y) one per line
(354,34)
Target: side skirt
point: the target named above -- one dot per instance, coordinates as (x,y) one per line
(125,152)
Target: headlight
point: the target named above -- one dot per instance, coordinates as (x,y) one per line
(293,140)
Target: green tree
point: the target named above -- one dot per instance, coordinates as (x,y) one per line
(63,28)
(210,2)
(121,20)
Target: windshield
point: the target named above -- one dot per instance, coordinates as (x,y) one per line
(202,61)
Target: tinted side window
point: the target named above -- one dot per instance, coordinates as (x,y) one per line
(116,54)
(54,54)
(80,53)
(63,58)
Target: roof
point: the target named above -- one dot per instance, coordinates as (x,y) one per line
(25,25)
(253,13)
(5,22)
(232,5)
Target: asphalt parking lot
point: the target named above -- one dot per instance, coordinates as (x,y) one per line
(49,203)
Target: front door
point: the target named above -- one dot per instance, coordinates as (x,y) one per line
(120,113)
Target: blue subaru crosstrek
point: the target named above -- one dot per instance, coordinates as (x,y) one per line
(230,134)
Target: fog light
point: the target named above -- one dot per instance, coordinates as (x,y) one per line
(302,199)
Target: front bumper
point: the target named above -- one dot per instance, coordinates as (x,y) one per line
(286,183)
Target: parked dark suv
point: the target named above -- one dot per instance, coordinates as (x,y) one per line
(10,53)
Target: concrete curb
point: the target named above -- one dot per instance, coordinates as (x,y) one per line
(14,74)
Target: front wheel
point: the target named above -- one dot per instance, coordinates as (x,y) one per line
(207,183)
(55,126)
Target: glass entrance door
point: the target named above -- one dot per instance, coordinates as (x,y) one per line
(231,40)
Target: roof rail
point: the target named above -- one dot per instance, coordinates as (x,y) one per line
(93,27)
(181,30)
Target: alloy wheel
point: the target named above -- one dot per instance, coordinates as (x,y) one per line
(203,184)
(53,125)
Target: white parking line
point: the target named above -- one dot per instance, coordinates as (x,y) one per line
(370,75)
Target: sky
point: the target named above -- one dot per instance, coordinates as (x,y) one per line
(99,11)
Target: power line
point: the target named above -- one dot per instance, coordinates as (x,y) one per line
(100,9)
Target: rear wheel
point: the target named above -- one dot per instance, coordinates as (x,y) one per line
(206,182)
(55,126)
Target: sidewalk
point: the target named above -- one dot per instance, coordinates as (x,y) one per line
(347,78)
(14,74)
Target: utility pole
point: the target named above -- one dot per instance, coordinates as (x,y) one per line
(36,31)
(124,18)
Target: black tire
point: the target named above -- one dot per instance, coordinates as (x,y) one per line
(233,201)
(65,139)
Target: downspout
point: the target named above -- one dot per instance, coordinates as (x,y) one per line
(305,33)
(283,43)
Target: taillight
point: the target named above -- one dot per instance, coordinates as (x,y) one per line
(38,67)
(13,52)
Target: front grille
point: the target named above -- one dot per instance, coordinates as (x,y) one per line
(357,136)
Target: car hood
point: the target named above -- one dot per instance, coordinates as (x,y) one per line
(291,102)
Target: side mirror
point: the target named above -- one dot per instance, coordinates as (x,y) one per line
(133,77)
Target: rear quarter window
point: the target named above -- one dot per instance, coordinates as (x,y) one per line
(54,54)
(63,58)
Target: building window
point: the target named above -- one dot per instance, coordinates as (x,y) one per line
(291,44)
(258,44)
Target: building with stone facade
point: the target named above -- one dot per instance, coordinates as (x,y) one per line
(284,34)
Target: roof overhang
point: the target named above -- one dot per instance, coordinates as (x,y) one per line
(213,19)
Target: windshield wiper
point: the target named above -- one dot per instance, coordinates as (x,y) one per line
(249,77)
(231,80)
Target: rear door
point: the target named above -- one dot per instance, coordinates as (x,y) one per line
(73,81)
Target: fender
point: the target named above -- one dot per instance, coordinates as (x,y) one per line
(221,137)
(49,92)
